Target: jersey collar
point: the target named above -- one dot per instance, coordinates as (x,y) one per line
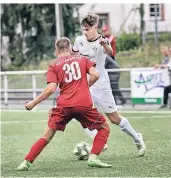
(95,39)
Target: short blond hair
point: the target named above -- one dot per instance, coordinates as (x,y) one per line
(62,43)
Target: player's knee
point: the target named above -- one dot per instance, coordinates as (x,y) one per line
(115,119)
(48,139)
(106,126)
(108,129)
(49,135)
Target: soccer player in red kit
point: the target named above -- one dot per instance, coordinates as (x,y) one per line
(70,73)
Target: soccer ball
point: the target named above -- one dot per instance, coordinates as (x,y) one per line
(82,151)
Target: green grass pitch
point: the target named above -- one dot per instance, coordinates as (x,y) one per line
(19,130)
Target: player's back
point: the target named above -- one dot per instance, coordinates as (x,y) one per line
(71,72)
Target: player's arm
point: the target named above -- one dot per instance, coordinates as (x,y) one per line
(163,66)
(48,91)
(106,46)
(94,76)
(74,52)
(52,82)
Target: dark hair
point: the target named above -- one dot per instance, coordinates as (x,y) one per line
(62,43)
(90,20)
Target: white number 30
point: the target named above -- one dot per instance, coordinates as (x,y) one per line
(73,71)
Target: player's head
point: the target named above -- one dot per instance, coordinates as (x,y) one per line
(89,25)
(165,51)
(106,31)
(62,45)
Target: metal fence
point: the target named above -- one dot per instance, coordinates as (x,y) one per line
(20,86)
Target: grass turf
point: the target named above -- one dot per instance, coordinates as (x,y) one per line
(57,159)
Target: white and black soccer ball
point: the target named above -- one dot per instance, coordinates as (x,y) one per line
(82,151)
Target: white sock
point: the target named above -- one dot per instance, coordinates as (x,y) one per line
(127,128)
(90,133)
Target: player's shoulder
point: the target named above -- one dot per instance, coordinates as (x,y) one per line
(53,62)
(56,63)
(81,58)
(86,60)
(80,38)
(51,66)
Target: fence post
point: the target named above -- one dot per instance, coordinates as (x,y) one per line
(6,90)
(130,74)
(34,85)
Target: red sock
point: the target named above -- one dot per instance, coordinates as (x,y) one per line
(36,149)
(99,141)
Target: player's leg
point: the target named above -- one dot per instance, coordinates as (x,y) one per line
(167,90)
(93,133)
(115,118)
(125,126)
(89,133)
(98,144)
(56,122)
(36,149)
(107,104)
(91,119)
(114,83)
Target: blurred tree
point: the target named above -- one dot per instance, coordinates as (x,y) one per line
(31,30)
(127,41)
(70,17)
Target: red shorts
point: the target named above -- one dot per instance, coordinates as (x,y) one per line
(88,117)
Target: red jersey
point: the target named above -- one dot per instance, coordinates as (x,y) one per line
(70,72)
(112,41)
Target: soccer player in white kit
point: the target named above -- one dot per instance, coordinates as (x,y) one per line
(96,47)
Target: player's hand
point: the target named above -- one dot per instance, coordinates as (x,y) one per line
(29,105)
(102,41)
(156,66)
(163,66)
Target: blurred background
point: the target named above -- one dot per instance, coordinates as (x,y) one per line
(29,31)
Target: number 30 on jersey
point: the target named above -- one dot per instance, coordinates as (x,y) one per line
(73,71)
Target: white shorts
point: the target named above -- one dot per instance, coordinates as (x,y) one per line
(104,101)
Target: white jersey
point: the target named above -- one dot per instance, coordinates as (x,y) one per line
(101,91)
(94,51)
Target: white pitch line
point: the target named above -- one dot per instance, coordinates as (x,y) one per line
(142,117)
(17,110)
(146,112)
(21,122)
(39,121)
(122,111)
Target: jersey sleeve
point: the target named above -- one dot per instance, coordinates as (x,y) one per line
(51,75)
(89,64)
(75,47)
